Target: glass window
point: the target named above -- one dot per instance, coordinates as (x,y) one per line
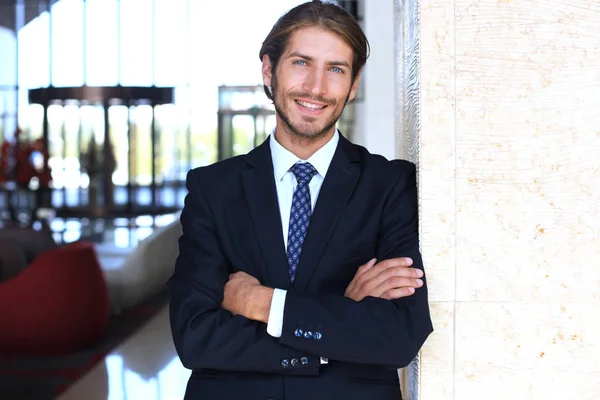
(102,44)
(137,66)
(67,43)
(192,46)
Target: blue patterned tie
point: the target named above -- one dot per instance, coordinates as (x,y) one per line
(299,215)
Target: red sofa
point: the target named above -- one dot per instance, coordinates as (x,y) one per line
(57,305)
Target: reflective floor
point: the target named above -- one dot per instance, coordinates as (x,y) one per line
(144,367)
(118,232)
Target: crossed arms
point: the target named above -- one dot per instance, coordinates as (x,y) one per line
(218,320)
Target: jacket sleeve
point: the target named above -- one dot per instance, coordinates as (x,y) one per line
(204,334)
(371,331)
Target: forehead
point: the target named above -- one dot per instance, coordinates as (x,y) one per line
(320,44)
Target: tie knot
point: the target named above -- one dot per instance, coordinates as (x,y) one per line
(303,172)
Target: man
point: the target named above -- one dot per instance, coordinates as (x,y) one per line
(299,274)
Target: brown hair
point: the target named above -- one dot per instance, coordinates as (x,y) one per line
(316,13)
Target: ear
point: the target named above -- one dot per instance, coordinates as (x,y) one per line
(266,70)
(354,87)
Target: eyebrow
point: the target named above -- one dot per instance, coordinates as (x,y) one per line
(309,58)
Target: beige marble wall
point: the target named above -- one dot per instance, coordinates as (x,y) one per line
(505,129)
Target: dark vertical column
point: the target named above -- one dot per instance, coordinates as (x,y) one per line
(63,136)
(130,194)
(153,136)
(81,201)
(45,127)
(46,141)
(107,158)
(255,119)
(220,134)
(225,134)
(132,157)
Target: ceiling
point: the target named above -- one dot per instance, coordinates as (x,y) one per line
(33,8)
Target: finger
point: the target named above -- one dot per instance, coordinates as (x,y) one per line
(399,272)
(368,281)
(397,262)
(398,293)
(390,278)
(405,272)
(390,284)
(403,282)
(401,262)
(385,278)
(365,267)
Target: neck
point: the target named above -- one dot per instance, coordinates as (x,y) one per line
(302,147)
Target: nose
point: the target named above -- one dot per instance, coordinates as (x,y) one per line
(315,83)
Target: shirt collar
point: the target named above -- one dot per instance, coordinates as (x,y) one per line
(283,159)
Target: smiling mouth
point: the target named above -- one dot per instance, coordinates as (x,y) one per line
(310,106)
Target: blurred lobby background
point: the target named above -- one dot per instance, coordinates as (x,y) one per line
(129,95)
(497,102)
(104,107)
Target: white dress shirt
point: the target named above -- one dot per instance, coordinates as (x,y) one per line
(286,183)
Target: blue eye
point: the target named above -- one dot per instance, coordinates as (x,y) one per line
(300,62)
(337,70)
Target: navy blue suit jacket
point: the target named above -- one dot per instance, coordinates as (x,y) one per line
(367,207)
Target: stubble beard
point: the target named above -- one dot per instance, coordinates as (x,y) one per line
(295,132)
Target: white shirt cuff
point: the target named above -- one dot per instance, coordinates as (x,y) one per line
(275,323)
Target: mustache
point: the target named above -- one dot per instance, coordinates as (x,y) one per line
(311,97)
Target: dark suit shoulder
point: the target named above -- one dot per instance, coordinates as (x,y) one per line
(218,175)
(386,171)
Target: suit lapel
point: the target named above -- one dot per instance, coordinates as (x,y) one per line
(261,195)
(337,188)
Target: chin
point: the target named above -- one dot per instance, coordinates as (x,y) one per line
(312,133)
(305,127)
(318,127)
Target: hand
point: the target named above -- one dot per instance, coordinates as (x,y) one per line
(389,279)
(244,295)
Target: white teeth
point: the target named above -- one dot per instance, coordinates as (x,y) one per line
(310,105)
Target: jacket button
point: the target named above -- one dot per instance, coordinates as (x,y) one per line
(298,332)
(285,363)
(294,362)
(308,335)
(304,360)
(318,336)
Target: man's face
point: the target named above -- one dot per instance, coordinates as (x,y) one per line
(312,82)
